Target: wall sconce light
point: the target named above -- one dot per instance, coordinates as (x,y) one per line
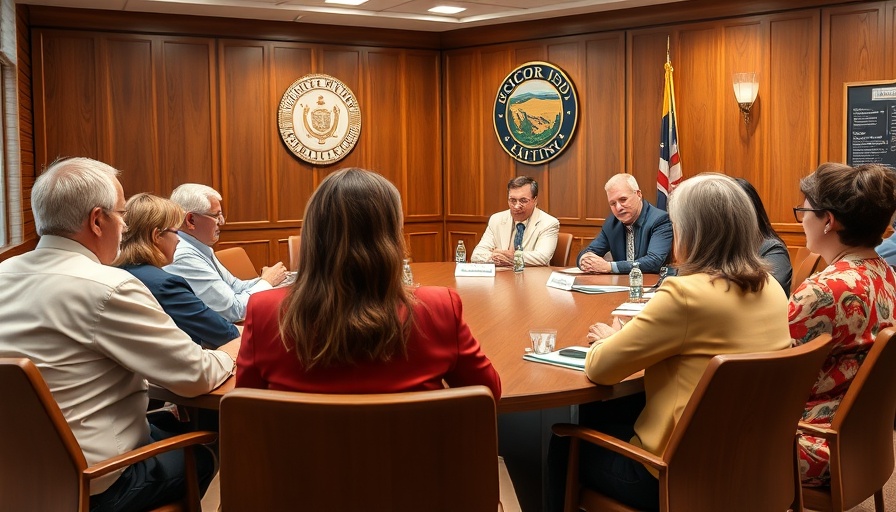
(746,88)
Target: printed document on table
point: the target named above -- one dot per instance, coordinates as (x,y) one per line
(571,270)
(554,358)
(598,288)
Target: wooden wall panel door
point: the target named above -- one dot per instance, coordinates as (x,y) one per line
(891,38)
(425,242)
(423,118)
(386,143)
(294,179)
(646,58)
(346,65)
(463,184)
(791,127)
(602,104)
(491,166)
(66,114)
(187,113)
(246,114)
(853,49)
(130,142)
(742,143)
(560,176)
(700,87)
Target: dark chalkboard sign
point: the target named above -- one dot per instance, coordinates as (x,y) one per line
(871,123)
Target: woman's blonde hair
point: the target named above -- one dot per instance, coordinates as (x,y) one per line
(716,231)
(146,213)
(348,302)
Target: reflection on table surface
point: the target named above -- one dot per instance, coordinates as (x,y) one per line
(500,311)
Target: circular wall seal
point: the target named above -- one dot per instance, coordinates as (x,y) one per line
(535,112)
(319,119)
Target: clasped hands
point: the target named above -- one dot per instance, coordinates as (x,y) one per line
(275,274)
(594,264)
(600,331)
(502,258)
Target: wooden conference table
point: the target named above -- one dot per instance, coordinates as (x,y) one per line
(500,312)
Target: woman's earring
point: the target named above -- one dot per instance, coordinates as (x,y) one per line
(827,228)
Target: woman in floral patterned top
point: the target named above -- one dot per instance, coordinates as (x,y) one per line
(844,216)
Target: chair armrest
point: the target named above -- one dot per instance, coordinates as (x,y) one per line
(145,452)
(610,443)
(817,430)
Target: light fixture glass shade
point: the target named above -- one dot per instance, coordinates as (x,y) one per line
(746,88)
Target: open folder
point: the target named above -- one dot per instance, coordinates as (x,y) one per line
(554,358)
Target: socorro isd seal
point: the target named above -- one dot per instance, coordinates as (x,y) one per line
(319,119)
(535,112)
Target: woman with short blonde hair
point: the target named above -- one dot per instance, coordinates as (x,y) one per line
(146,246)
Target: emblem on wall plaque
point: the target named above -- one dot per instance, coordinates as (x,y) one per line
(535,112)
(319,119)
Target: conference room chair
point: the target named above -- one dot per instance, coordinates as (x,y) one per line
(294,243)
(805,267)
(43,467)
(400,452)
(561,253)
(237,262)
(861,435)
(733,448)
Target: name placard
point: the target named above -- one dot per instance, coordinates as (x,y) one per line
(474,270)
(561,281)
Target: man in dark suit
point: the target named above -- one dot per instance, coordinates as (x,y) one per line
(638,231)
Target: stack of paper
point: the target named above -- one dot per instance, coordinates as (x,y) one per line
(554,358)
(629,309)
(598,288)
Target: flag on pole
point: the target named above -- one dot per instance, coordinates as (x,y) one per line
(669,175)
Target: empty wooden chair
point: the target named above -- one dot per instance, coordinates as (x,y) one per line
(428,450)
(294,243)
(860,436)
(43,467)
(237,262)
(733,448)
(561,253)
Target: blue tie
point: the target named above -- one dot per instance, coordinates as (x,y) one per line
(518,239)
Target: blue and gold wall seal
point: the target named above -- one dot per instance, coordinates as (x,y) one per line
(535,113)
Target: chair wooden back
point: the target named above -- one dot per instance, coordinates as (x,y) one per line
(294,243)
(237,262)
(733,448)
(805,268)
(864,422)
(561,253)
(40,459)
(429,450)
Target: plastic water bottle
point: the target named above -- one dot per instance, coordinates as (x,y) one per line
(460,254)
(407,277)
(518,263)
(635,284)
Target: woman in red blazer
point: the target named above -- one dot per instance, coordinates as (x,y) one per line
(347,324)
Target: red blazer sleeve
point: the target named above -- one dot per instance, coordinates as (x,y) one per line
(472,366)
(248,374)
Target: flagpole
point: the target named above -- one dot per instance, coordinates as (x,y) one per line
(672,117)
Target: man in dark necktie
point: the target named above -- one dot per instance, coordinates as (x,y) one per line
(522,225)
(637,231)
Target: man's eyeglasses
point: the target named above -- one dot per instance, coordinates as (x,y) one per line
(799,212)
(219,216)
(168,230)
(522,202)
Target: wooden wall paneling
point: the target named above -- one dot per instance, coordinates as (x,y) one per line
(602,128)
(492,165)
(293,178)
(457,232)
(891,38)
(423,118)
(460,160)
(560,176)
(425,242)
(347,64)
(130,140)
(792,105)
(744,43)
(853,49)
(66,117)
(700,90)
(246,113)
(187,113)
(646,50)
(27,169)
(386,130)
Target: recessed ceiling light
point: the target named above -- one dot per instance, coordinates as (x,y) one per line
(345,2)
(446,9)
